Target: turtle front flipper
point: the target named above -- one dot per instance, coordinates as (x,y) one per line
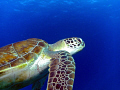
(61,72)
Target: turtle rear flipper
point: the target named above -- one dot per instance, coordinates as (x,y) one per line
(61,72)
(38,84)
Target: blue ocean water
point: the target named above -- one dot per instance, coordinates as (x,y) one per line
(97,22)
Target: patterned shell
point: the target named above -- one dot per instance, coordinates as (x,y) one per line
(20,52)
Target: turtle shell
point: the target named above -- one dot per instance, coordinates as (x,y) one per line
(21,52)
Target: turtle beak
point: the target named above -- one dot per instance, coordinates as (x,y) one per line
(83,44)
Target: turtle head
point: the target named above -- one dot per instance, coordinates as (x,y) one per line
(72,45)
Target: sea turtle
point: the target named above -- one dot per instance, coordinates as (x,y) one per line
(29,62)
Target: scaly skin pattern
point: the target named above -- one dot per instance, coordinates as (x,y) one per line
(17,63)
(62,72)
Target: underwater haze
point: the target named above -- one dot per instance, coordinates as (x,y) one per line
(97,22)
